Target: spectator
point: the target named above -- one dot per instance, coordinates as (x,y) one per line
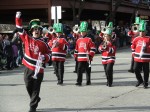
(15,55)
(8,52)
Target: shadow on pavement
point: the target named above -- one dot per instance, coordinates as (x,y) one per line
(128,109)
(11,84)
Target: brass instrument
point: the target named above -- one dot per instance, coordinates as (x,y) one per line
(142,49)
(38,66)
(55,43)
(76,29)
(49,30)
(135,28)
(103,29)
(104,44)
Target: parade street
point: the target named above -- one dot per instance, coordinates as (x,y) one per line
(123,96)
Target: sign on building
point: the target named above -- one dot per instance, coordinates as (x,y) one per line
(7,28)
(96,24)
(56,13)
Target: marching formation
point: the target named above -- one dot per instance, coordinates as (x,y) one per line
(39,50)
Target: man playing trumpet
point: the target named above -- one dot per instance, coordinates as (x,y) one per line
(141,48)
(108,51)
(133,33)
(84,53)
(59,47)
(35,48)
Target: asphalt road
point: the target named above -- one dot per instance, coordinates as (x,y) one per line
(122,97)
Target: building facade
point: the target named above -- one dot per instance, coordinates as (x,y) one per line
(93,9)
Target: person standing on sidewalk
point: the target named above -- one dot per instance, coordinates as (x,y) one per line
(59,47)
(141,48)
(35,48)
(108,50)
(84,53)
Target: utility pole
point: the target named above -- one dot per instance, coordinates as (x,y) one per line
(49,12)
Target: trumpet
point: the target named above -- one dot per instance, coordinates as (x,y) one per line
(55,43)
(38,66)
(49,30)
(76,29)
(142,49)
(104,44)
(103,29)
(135,28)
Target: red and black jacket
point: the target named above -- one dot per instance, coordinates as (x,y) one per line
(32,48)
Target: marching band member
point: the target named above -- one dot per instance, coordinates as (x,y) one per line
(33,47)
(59,48)
(133,33)
(141,47)
(113,35)
(84,53)
(108,51)
(76,35)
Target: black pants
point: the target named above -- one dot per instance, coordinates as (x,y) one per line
(59,70)
(84,65)
(138,66)
(76,65)
(33,86)
(109,72)
(132,63)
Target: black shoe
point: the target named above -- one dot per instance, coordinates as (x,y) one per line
(32,110)
(88,83)
(78,84)
(131,71)
(145,85)
(39,99)
(59,83)
(109,85)
(74,71)
(106,84)
(138,84)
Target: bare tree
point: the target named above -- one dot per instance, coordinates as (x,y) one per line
(114,5)
(77,8)
(135,11)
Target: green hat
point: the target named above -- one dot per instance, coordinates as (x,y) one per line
(142,26)
(34,23)
(83,26)
(108,31)
(58,27)
(110,25)
(137,20)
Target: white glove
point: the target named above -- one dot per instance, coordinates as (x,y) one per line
(18,14)
(42,57)
(44,30)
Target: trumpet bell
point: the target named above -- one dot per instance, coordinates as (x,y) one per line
(51,29)
(76,29)
(135,28)
(103,29)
